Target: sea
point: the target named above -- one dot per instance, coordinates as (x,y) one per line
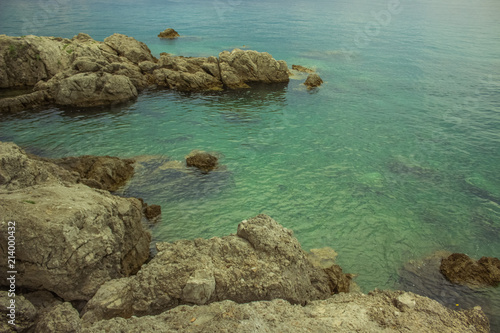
(394,158)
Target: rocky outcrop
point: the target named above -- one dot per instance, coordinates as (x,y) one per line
(263,261)
(460,269)
(202,160)
(313,81)
(168,33)
(83,72)
(376,312)
(100,172)
(238,68)
(71,238)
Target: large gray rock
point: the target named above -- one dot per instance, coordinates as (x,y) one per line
(70,238)
(239,67)
(262,262)
(375,312)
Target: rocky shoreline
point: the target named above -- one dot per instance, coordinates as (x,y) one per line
(82,260)
(83,72)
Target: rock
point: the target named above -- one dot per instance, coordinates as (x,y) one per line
(62,318)
(129,48)
(18,170)
(240,67)
(303,69)
(168,33)
(460,269)
(152,211)
(202,160)
(90,89)
(313,81)
(23,102)
(262,262)
(188,73)
(101,172)
(73,238)
(375,312)
(23,314)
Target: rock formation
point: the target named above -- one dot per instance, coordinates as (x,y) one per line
(460,269)
(83,72)
(263,261)
(376,312)
(100,172)
(202,160)
(313,81)
(71,238)
(168,33)
(24,313)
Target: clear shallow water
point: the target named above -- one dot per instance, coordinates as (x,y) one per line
(395,157)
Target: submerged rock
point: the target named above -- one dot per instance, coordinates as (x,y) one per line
(73,238)
(168,33)
(460,269)
(313,81)
(303,69)
(152,211)
(202,160)
(263,261)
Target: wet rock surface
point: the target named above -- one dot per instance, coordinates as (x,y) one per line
(313,81)
(202,160)
(168,33)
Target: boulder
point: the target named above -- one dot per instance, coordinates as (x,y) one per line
(188,73)
(152,211)
(89,89)
(461,269)
(62,318)
(168,33)
(70,238)
(376,312)
(23,102)
(240,67)
(313,81)
(129,48)
(101,172)
(263,261)
(302,69)
(24,313)
(202,160)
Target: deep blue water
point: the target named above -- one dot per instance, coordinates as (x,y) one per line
(395,157)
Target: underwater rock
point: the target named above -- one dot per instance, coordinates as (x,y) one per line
(303,69)
(202,160)
(313,81)
(323,257)
(168,33)
(460,269)
(263,261)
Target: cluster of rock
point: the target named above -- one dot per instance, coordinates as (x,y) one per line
(313,80)
(83,72)
(81,260)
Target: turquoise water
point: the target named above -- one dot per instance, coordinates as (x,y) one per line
(395,157)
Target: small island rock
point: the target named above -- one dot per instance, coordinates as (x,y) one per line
(302,69)
(202,160)
(313,81)
(168,33)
